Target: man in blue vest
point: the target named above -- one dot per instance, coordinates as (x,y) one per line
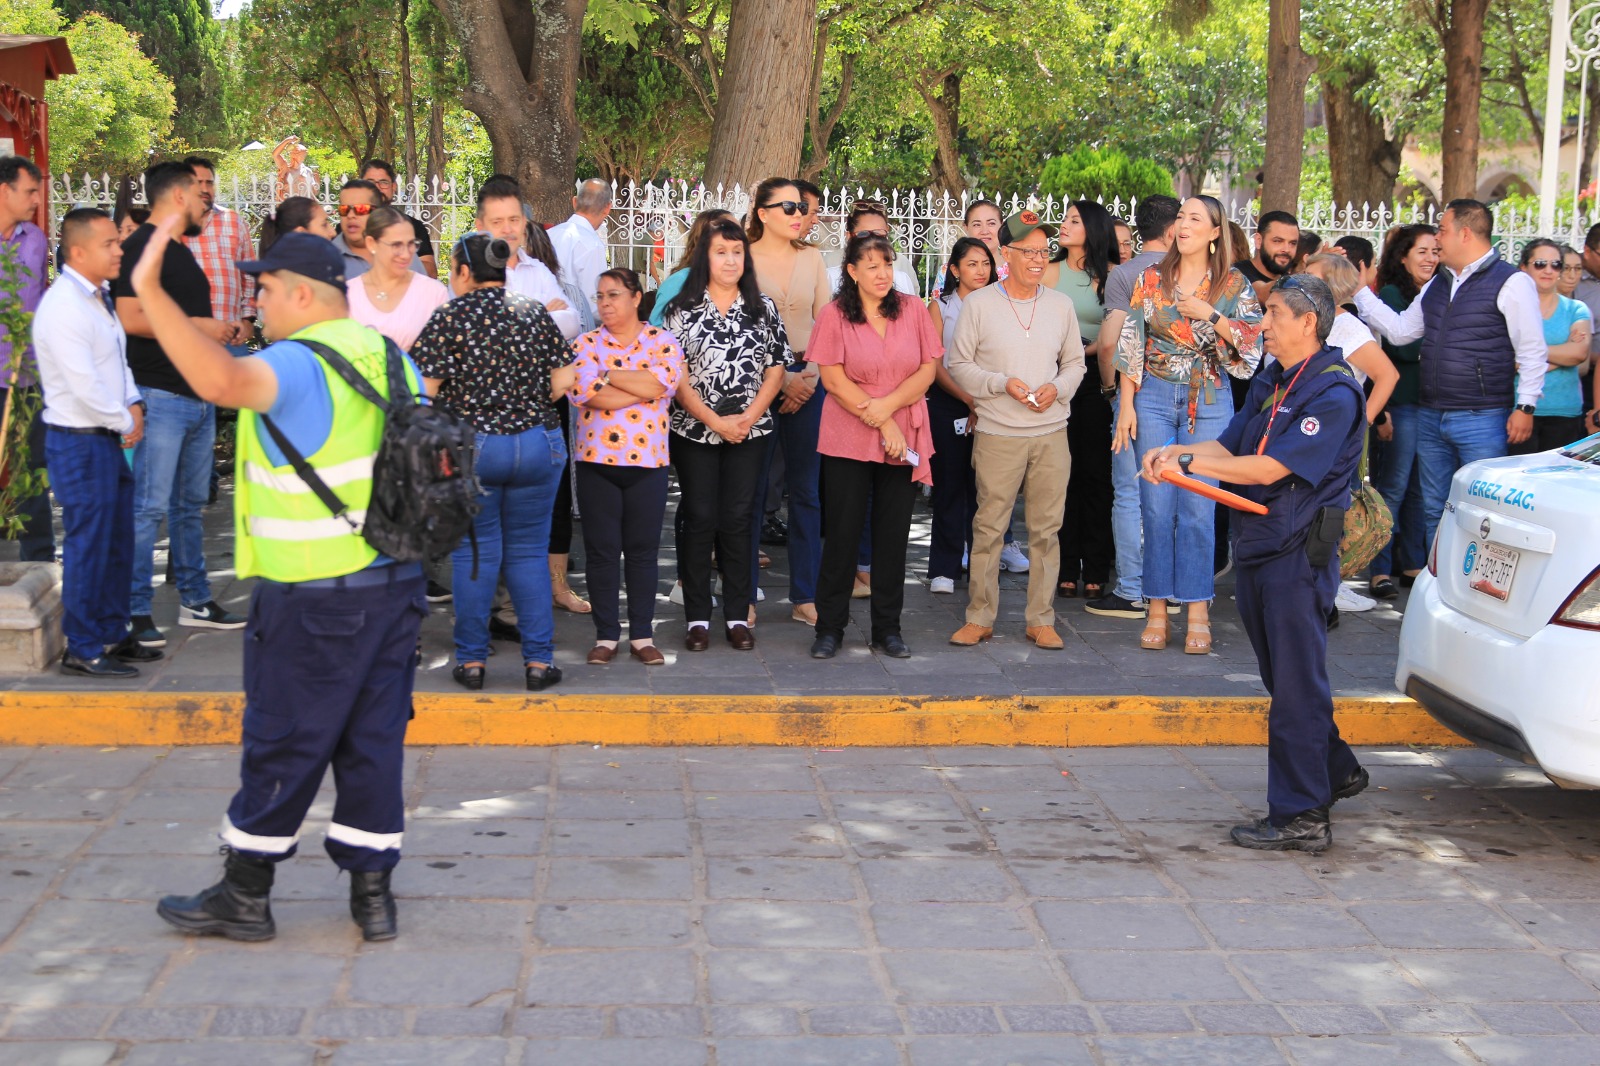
(1481,333)
(1294,446)
(330,648)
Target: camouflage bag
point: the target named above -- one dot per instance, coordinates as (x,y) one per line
(1367,524)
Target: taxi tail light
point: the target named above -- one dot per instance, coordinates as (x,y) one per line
(1582,609)
(1433,556)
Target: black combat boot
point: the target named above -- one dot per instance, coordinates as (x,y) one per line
(1306,831)
(237,907)
(372,904)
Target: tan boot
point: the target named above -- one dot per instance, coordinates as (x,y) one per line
(560,592)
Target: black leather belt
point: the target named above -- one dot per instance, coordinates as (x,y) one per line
(86,431)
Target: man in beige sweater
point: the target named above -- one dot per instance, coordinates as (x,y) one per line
(1019,354)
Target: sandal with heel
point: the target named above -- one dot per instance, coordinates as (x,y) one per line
(1154,637)
(1197,641)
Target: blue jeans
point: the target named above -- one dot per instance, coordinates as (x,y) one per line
(519,473)
(1447,441)
(1394,473)
(797,435)
(1127,525)
(1179,526)
(172,480)
(95,487)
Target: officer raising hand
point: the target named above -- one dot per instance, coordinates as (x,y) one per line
(1294,446)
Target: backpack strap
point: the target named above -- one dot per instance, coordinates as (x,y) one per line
(350,374)
(309,475)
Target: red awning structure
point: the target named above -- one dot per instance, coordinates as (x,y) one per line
(27,62)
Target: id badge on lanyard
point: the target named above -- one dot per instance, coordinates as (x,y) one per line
(1266,434)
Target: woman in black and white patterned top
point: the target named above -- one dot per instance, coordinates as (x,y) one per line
(734,349)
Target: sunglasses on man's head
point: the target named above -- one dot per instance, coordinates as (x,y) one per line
(355,209)
(789,207)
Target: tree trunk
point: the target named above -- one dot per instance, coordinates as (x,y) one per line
(760,124)
(1363,158)
(1288,71)
(1587,149)
(436,162)
(522,77)
(408,100)
(1463,97)
(945,110)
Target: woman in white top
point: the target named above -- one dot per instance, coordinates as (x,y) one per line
(1361,349)
(391,297)
(953,418)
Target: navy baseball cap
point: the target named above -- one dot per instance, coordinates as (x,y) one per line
(301,253)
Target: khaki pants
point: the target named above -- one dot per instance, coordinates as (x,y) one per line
(1040,467)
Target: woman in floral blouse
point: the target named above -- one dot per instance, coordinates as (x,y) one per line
(497,359)
(627,372)
(1192,319)
(735,350)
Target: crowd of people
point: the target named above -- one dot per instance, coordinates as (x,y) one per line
(1045,361)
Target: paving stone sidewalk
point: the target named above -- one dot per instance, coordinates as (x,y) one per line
(770,907)
(1101,657)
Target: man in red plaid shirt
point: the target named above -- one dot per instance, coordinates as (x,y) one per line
(223,242)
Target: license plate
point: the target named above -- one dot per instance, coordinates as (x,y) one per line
(1491,568)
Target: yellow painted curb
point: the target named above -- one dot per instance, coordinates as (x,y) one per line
(78,718)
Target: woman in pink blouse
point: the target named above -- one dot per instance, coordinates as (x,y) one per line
(627,373)
(391,297)
(877,352)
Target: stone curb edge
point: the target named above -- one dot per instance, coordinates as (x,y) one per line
(168,719)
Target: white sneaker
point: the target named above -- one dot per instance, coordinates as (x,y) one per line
(1013,558)
(1353,602)
(942,585)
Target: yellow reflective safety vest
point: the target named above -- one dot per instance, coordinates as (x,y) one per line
(282,531)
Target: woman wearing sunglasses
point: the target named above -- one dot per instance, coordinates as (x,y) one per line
(795,278)
(1558,418)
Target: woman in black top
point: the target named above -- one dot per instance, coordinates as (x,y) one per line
(735,349)
(496,359)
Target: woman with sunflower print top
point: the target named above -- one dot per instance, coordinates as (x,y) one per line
(627,373)
(734,351)
(1192,319)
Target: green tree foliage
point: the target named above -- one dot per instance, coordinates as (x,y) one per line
(186,43)
(1103,174)
(116,110)
(640,115)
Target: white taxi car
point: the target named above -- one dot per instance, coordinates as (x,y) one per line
(1501,639)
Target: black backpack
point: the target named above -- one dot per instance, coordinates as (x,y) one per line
(424,488)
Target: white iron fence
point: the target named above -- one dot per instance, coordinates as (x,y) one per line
(649,223)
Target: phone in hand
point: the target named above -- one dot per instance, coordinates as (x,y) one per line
(961,427)
(912,458)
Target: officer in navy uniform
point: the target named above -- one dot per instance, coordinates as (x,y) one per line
(1294,446)
(330,647)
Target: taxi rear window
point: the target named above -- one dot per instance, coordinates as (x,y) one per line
(1586,450)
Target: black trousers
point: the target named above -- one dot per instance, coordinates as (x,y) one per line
(719,483)
(1086,544)
(622,511)
(851,487)
(561,517)
(1551,431)
(955,485)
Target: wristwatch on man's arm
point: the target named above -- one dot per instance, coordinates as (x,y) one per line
(1183,463)
(1525,408)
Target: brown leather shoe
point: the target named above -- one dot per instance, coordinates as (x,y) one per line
(971,634)
(1045,637)
(650,655)
(741,638)
(599,655)
(698,639)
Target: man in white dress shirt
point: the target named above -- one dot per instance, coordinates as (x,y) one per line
(92,413)
(500,215)
(1482,339)
(578,244)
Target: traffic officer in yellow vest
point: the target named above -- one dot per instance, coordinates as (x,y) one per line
(330,646)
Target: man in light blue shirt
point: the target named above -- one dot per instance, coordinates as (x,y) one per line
(92,414)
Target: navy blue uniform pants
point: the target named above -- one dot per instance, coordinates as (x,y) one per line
(1284,605)
(94,483)
(328,673)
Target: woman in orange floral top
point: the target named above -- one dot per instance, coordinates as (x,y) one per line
(1192,319)
(627,373)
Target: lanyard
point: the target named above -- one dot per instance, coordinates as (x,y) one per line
(1261,448)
